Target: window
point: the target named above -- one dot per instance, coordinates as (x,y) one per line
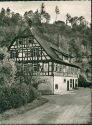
(76,81)
(70,85)
(34,52)
(20,41)
(56,86)
(31,40)
(56,67)
(64,68)
(39,53)
(35,67)
(64,80)
(50,68)
(70,80)
(14,54)
(46,67)
(27,53)
(60,69)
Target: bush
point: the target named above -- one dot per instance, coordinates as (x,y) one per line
(7,68)
(83,82)
(16,95)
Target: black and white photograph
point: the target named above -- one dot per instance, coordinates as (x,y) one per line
(45,62)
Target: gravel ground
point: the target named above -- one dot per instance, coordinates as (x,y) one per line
(71,108)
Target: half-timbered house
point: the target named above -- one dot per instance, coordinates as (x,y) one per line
(53,65)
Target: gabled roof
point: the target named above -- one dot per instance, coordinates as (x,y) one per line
(46,45)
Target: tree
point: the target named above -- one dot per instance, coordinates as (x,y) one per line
(32,18)
(15,18)
(57,12)
(81,18)
(74,48)
(42,8)
(37,18)
(7,68)
(3,12)
(72,20)
(45,17)
(75,19)
(2,15)
(68,18)
(8,12)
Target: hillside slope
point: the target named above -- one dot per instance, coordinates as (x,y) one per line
(75,41)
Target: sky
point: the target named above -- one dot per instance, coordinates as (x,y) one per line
(74,8)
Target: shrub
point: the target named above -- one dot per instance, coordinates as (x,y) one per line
(16,95)
(82,81)
(7,68)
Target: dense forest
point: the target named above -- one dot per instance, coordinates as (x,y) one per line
(73,35)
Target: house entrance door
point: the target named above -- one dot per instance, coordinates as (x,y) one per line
(67,85)
(73,83)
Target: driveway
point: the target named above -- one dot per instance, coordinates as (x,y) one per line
(71,108)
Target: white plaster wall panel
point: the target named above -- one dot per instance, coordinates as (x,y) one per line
(62,86)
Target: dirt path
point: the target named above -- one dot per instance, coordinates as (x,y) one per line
(70,108)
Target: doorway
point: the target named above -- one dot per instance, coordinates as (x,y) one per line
(67,85)
(73,83)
